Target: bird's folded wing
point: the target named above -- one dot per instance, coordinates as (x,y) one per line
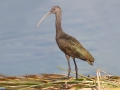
(70,46)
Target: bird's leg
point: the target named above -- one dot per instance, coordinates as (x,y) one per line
(76,69)
(69,68)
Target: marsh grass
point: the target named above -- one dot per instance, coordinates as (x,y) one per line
(59,82)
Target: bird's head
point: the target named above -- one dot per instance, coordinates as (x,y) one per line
(54,10)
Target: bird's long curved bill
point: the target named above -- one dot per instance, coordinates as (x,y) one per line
(43,19)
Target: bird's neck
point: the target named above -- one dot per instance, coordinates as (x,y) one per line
(58,25)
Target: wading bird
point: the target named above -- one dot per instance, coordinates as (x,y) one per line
(68,44)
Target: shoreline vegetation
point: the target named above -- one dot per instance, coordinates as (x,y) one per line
(102,81)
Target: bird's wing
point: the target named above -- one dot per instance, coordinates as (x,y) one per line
(70,46)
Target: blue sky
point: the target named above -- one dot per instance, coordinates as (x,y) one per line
(27,50)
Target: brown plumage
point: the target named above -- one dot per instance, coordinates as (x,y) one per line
(68,44)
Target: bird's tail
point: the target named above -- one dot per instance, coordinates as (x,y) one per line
(90,62)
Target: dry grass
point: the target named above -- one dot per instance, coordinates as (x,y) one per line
(59,82)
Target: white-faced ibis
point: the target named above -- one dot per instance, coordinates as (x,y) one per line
(68,44)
